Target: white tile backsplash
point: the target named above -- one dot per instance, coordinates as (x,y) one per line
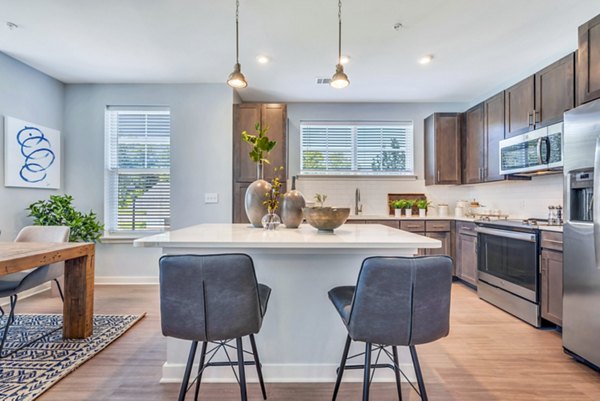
(516,198)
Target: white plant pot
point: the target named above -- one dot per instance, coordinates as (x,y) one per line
(397,212)
(422,212)
(408,212)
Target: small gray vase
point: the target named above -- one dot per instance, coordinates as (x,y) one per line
(255,196)
(291,207)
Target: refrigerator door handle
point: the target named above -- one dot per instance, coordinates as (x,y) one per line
(596,203)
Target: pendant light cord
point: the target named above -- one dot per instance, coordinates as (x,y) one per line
(339,31)
(237,31)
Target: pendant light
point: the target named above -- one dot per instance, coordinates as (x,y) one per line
(236,78)
(340,79)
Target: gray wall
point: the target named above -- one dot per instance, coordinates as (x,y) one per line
(201,142)
(415,112)
(27,94)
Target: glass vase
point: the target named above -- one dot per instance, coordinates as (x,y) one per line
(271,221)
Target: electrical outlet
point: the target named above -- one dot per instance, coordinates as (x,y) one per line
(211,197)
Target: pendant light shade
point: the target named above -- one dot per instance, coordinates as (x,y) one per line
(236,78)
(340,79)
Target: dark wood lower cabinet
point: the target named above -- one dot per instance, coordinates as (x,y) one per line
(466,252)
(551,285)
(446,243)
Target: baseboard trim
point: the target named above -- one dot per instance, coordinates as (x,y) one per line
(285,373)
(28,293)
(126,280)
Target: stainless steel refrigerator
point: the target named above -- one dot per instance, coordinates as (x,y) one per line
(581,299)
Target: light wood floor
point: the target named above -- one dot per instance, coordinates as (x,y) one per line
(488,356)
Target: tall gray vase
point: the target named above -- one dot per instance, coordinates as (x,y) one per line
(291,207)
(255,196)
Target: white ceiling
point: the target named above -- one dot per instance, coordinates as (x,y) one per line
(480,46)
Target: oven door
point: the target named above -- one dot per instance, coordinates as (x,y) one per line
(509,260)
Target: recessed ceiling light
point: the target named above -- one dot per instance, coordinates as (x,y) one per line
(263,59)
(426,59)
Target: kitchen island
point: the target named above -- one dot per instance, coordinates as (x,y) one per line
(302,335)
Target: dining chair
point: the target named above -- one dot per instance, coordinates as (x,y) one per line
(11,285)
(397,301)
(213,299)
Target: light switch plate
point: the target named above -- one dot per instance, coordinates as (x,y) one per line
(212,197)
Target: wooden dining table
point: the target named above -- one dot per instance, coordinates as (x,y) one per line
(78,308)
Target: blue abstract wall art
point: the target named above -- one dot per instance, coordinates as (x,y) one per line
(32,155)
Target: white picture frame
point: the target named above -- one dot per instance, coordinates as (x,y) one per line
(32,155)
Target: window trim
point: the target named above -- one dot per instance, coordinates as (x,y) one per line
(116,236)
(411,175)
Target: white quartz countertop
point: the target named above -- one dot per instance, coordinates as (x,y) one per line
(350,236)
(556,229)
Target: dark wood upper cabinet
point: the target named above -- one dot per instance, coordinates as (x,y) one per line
(588,62)
(555,91)
(245,117)
(520,107)
(494,133)
(443,149)
(484,129)
(473,152)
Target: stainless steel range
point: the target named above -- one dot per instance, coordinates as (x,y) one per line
(508,265)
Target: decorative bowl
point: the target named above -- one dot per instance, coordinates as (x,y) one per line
(326,218)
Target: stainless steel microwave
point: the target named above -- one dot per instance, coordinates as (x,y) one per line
(536,152)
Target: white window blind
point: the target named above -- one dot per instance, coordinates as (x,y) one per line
(138,184)
(357,148)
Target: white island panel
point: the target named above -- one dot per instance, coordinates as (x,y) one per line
(302,335)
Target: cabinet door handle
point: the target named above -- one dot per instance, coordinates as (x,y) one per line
(438,176)
(537,116)
(530,118)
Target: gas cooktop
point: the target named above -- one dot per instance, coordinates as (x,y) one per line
(531,223)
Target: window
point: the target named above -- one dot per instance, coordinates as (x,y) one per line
(137,184)
(357,149)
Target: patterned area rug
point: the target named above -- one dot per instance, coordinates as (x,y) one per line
(32,370)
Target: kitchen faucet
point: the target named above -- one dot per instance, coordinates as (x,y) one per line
(357,205)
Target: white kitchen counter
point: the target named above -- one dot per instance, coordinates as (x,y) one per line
(302,337)
(348,236)
(556,229)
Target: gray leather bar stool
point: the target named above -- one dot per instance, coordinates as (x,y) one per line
(213,299)
(397,301)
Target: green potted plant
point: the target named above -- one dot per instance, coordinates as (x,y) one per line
(408,207)
(422,205)
(398,205)
(59,211)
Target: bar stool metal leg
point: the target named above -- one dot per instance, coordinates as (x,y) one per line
(418,373)
(240,355)
(200,369)
(188,371)
(367,372)
(397,372)
(340,373)
(258,367)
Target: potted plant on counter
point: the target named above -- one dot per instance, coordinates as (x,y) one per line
(422,205)
(398,205)
(408,207)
